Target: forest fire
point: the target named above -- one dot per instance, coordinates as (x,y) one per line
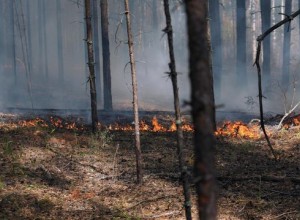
(155,126)
(227,129)
(238,129)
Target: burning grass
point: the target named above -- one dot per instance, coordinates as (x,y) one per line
(49,171)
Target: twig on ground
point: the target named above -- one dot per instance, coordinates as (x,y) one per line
(165,214)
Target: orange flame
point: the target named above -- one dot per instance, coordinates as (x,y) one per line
(238,129)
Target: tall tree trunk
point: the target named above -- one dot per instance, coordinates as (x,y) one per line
(202,101)
(180,145)
(45,38)
(287,46)
(266,24)
(138,153)
(106,56)
(89,42)
(28,22)
(96,50)
(216,43)
(241,43)
(10,29)
(40,38)
(60,57)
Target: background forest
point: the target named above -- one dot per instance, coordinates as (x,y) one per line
(44,53)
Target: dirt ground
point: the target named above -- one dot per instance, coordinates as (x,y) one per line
(47,172)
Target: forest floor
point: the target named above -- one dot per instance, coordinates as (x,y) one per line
(47,172)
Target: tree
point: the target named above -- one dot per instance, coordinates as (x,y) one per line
(241,43)
(106,56)
(60,57)
(135,96)
(90,53)
(179,132)
(203,108)
(216,42)
(286,46)
(265,7)
(96,50)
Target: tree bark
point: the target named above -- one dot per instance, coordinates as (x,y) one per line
(287,46)
(106,56)
(241,43)
(265,7)
(202,101)
(135,96)
(89,42)
(60,57)
(216,43)
(97,51)
(179,132)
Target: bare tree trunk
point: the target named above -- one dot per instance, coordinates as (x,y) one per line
(138,153)
(12,38)
(96,50)
(202,107)
(266,24)
(216,38)
(44,28)
(106,56)
(241,43)
(89,42)
(60,57)
(287,46)
(173,75)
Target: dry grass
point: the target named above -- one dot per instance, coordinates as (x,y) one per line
(65,174)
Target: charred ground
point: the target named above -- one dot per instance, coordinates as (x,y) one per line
(52,172)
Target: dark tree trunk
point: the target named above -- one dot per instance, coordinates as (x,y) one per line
(106,56)
(216,43)
(203,108)
(60,57)
(138,153)
(96,50)
(180,145)
(241,43)
(266,24)
(89,42)
(287,46)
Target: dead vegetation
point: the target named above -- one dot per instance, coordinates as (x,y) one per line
(61,173)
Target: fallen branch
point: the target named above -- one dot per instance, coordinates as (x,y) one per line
(258,52)
(162,215)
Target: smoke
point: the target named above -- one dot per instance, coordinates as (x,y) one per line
(36,31)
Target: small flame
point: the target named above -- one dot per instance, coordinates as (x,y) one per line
(238,129)
(156,126)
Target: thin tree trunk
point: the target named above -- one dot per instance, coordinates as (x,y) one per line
(89,42)
(96,50)
(11,39)
(135,97)
(241,43)
(287,46)
(60,57)
(216,38)
(106,56)
(180,145)
(28,13)
(45,38)
(266,24)
(202,101)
